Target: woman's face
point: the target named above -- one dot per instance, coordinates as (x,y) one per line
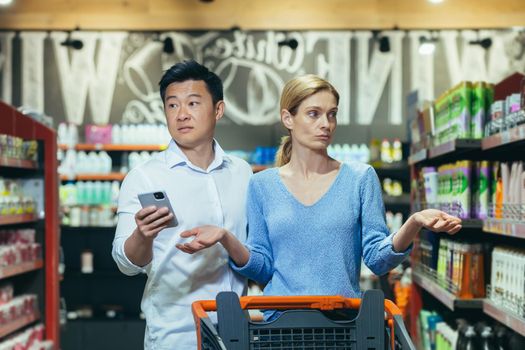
(315,121)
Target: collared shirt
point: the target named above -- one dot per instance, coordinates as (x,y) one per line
(215,196)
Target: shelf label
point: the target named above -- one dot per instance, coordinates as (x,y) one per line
(505,136)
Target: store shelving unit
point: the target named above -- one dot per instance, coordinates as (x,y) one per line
(40,277)
(507,145)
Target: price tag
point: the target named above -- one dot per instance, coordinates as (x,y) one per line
(505,137)
(521,132)
(99,146)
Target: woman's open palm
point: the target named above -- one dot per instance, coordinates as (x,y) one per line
(438,221)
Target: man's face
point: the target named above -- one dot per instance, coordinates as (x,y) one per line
(190,113)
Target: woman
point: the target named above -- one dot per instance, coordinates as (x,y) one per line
(312,218)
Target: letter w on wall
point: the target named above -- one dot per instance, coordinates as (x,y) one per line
(91,69)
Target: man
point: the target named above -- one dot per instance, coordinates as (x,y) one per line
(204,186)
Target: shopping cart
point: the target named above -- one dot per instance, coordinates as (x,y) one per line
(303,325)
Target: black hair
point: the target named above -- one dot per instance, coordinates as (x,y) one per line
(191,70)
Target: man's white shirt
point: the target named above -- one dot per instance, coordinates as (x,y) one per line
(215,196)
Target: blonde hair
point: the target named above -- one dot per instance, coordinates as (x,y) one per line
(294,92)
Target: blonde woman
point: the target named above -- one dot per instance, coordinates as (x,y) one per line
(311,219)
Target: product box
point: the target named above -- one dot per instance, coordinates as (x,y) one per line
(98,134)
(478,110)
(460,105)
(441,118)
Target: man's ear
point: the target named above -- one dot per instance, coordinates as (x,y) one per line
(287,119)
(219,110)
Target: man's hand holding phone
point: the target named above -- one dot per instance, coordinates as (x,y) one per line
(151,220)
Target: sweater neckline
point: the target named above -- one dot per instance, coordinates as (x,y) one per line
(326,194)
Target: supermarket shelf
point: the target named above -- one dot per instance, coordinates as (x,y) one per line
(508,318)
(504,227)
(472,223)
(510,136)
(400,165)
(459,148)
(18,163)
(19,269)
(417,157)
(95,177)
(111,147)
(403,200)
(448,299)
(454,146)
(17,219)
(17,324)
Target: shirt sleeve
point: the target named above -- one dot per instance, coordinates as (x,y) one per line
(260,264)
(377,244)
(128,206)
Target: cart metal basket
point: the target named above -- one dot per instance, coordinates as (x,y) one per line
(302,325)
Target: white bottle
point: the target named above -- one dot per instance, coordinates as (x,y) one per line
(385,151)
(106,162)
(354,153)
(134,160)
(116,134)
(81,163)
(62,133)
(397,151)
(364,153)
(72,135)
(346,153)
(338,152)
(95,165)
(115,189)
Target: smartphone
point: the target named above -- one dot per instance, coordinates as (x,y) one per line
(158,199)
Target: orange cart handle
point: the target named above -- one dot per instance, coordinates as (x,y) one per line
(291,302)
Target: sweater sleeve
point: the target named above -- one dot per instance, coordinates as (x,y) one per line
(260,264)
(377,245)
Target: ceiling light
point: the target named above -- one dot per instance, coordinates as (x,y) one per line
(435,1)
(6,2)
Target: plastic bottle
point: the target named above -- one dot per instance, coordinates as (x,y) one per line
(471,339)
(397,152)
(62,133)
(116,134)
(488,341)
(347,153)
(385,151)
(364,153)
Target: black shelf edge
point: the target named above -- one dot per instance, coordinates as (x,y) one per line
(446,298)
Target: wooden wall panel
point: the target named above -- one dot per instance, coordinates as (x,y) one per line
(261,14)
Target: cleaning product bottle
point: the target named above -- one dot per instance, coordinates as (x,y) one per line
(397,152)
(488,342)
(385,151)
(471,339)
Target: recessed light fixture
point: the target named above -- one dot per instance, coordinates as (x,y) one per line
(6,2)
(435,1)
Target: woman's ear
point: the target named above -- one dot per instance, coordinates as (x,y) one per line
(287,119)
